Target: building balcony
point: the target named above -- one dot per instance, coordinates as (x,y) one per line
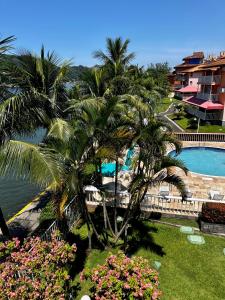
(204,115)
(207,97)
(209,80)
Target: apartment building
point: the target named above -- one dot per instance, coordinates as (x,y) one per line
(185,77)
(208,96)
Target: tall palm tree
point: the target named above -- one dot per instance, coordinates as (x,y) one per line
(39,93)
(116,58)
(153,165)
(96,81)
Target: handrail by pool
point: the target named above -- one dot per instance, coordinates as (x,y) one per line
(200,137)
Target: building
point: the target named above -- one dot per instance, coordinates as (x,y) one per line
(208,103)
(185,73)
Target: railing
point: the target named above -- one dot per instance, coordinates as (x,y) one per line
(72,213)
(200,137)
(209,79)
(153,203)
(207,96)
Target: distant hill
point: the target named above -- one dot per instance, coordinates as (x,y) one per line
(76,72)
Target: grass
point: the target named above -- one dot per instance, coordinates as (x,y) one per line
(163,105)
(188,271)
(204,128)
(180,221)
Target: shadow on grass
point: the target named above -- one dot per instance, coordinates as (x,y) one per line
(139,236)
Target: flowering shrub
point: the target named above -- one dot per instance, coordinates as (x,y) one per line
(8,247)
(213,213)
(36,269)
(123,278)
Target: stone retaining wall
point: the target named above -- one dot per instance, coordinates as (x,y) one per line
(212,227)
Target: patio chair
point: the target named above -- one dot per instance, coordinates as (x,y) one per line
(216,195)
(189,195)
(164,191)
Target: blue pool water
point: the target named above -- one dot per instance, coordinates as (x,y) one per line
(203,160)
(108,169)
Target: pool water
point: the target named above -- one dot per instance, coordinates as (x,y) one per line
(109,169)
(203,160)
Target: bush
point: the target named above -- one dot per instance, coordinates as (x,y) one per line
(193,123)
(123,278)
(213,213)
(36,269)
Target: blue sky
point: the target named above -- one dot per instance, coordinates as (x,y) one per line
(159,30)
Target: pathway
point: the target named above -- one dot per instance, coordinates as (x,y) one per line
(164,117)
(26,220)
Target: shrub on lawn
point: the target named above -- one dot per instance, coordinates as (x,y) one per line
(123,278)
(193,123)
(36,269)
(213,213)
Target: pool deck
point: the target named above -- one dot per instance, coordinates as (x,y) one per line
(198,184)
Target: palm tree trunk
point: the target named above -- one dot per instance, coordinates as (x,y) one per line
(115,200)
(3,225)
(100,172)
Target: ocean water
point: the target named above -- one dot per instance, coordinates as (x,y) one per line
(15,193)
(203,160)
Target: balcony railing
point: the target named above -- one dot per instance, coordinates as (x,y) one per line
(209,79)
(208,97)
(154,203)
(204,115)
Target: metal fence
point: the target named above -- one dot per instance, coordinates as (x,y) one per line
(72,213)
(200,137)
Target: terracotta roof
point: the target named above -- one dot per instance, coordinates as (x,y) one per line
(188,89)
(199,54)
(208,105)
(219,62)
(186,65)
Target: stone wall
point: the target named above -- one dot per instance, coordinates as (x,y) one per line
(212,227)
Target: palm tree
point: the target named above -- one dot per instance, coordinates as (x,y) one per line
(39,93)
(95,80)
(116,58)
(153,165)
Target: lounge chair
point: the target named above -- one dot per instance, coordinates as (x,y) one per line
(215,195)
(164,191)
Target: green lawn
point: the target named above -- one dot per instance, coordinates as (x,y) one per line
(163,105)
(183,123)
(188,271)
(180,221)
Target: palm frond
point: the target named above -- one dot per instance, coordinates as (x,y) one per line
(61,130)
(21,159)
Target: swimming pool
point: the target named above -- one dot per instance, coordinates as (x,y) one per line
(203,160)
(109,169)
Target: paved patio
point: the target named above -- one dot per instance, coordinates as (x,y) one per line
(198,184)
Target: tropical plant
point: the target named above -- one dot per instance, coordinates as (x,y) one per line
(96,81)
(123,278)
(116,58)
(152,166)
(5,44)
(38,93)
